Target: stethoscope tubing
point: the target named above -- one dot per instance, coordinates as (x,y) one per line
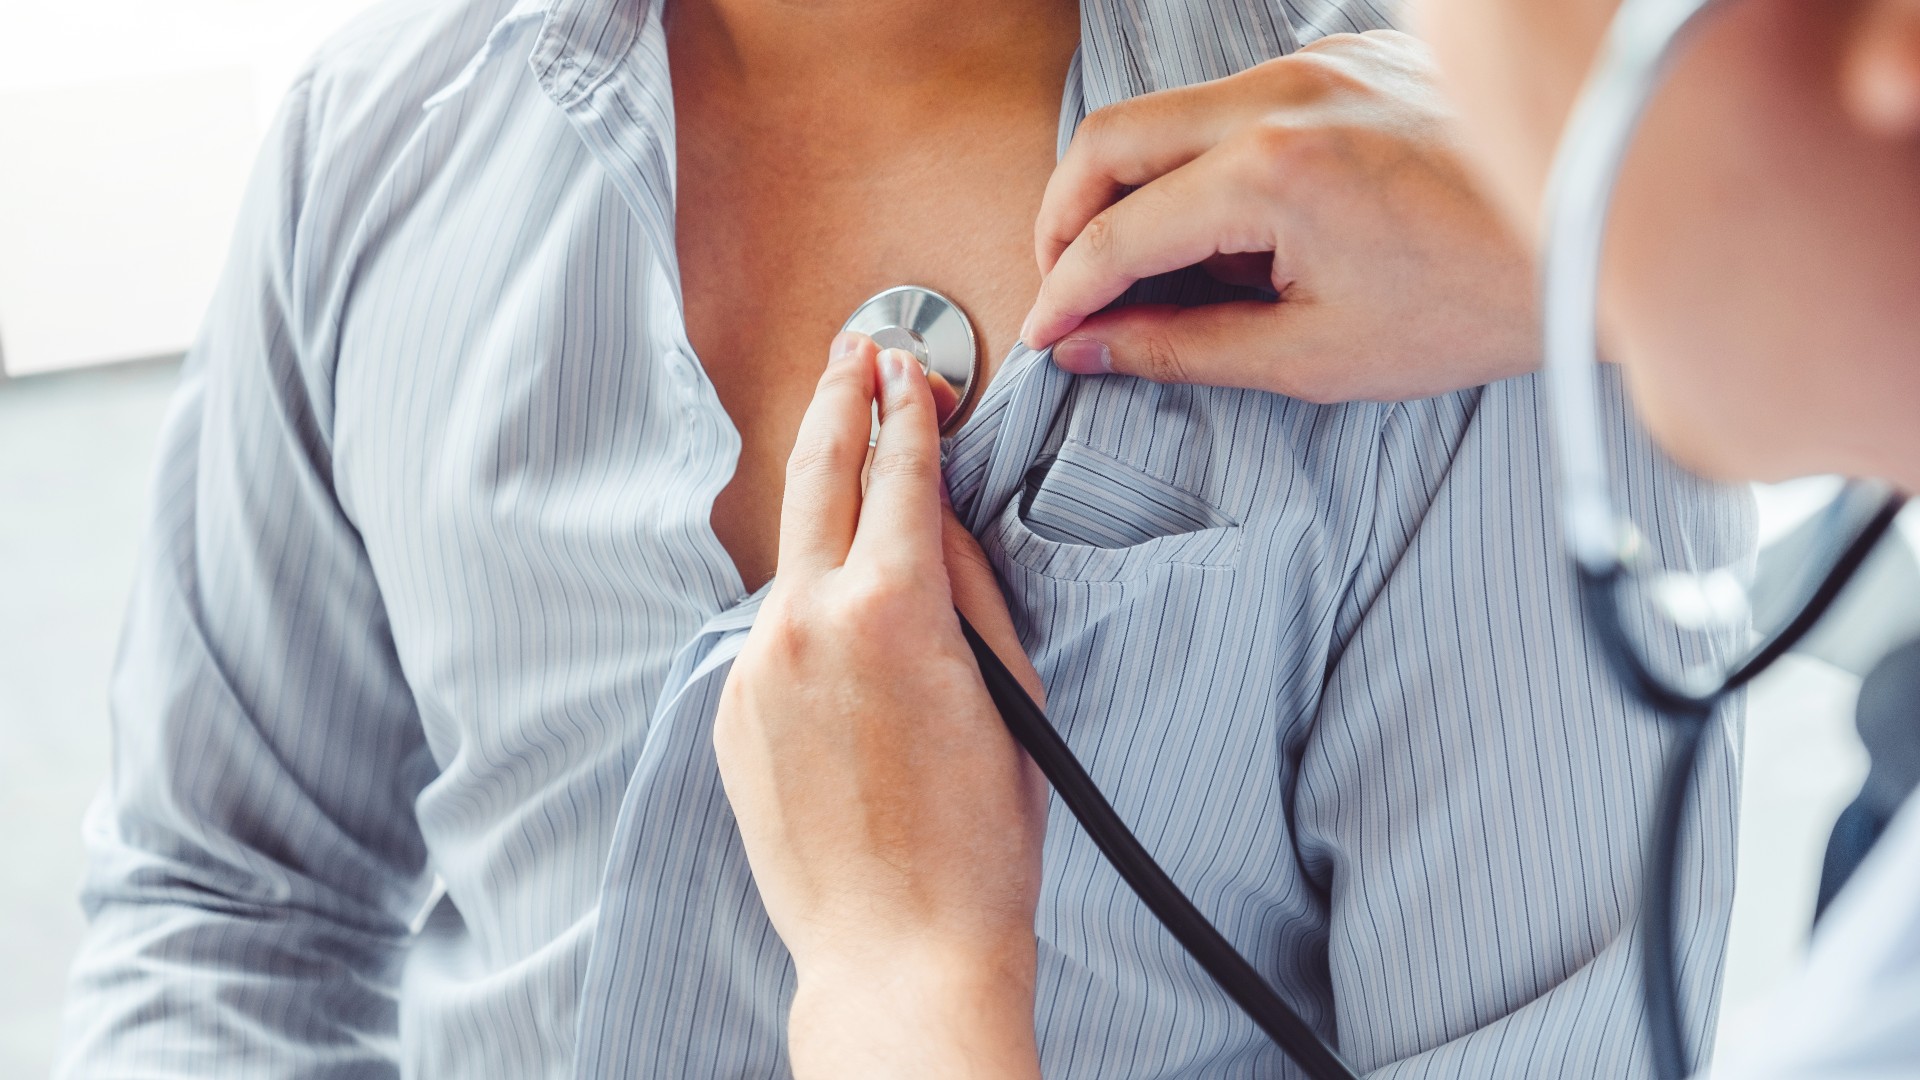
(1201,939)
(1690,713)
(1639,47)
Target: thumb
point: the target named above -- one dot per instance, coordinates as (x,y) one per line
(1241,343)
(976,592)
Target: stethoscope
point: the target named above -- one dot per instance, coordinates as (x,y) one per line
(937,332)
(934,330)
(1614,574)
(1616,577)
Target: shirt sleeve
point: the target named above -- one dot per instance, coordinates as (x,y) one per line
(254,861)
(1475,794)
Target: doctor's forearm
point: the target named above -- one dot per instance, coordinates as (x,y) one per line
(964,1018)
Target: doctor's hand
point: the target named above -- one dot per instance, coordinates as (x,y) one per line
(892,824)
(1332,176)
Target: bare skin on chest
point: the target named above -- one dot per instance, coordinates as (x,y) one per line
(811,178)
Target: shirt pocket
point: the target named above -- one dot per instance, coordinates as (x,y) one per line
(1083,515)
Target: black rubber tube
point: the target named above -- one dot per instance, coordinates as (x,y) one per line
(1208,947)
(1660,975)
(1848,564)
(1690,713)
(1659,953)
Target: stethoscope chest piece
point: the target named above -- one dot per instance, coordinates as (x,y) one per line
(932,328)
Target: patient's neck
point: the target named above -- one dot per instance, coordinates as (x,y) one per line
(893,45)
(831,149)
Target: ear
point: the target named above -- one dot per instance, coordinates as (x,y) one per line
(1881,68)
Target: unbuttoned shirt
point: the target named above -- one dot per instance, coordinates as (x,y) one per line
(412,765)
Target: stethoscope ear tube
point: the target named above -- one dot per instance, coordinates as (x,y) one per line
(1851,559)
(1689,714)
(1208,947)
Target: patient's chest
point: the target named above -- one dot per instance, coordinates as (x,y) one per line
(788,219)
(531,462)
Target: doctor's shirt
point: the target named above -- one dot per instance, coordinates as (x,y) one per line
(412,770)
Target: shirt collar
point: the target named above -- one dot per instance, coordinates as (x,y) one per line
(1130,47)
(1126,45)
(1127,48)
(522,14)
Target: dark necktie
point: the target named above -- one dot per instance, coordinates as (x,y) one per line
(1888,718)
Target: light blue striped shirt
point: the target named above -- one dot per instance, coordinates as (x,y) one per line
(431,602)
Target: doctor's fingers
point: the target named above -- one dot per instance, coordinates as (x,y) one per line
(821,507)
(1213,205)
(1299,348)
(1134,141)
(1126,145)
(1318,349)
(899,527)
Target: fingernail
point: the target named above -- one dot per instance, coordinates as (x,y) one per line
(946,497)
(1083,356)
(896,366)
(844,345)
(1026,328)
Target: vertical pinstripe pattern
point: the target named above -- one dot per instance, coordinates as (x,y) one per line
(431,596)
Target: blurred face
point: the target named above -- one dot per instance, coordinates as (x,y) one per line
(1762,283)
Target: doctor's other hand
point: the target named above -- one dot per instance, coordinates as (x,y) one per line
(1332,176)
(892,824)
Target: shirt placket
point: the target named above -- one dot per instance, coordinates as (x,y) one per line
(686,977)
(605,67)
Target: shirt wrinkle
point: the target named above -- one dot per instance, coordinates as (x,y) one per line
(477,623)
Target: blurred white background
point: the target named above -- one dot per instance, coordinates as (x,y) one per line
(126,131)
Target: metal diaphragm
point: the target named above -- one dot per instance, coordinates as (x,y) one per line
(933,329)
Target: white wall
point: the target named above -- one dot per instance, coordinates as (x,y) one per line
(127,128)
